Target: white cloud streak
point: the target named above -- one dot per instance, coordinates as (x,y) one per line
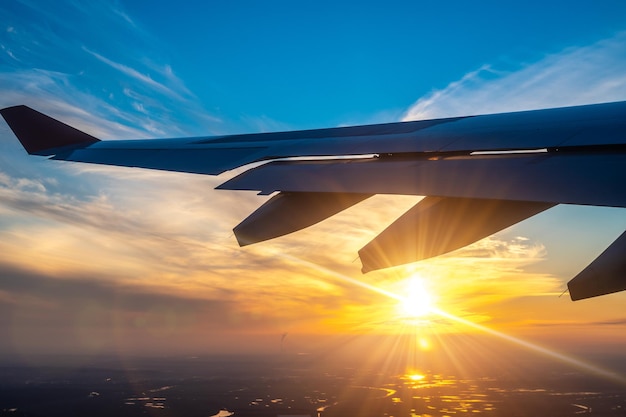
(53,93)
(578,75)
(136,75)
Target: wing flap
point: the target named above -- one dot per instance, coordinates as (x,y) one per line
(436,225)
(569,178)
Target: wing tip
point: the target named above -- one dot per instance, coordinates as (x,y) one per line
(40,134)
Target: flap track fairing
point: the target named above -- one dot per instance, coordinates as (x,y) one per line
(438,225)
(605,275)
(285,213)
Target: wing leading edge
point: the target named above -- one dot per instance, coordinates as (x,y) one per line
(481,174)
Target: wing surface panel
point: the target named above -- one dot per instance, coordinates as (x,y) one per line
(333,132)
(613,133)
(191,160)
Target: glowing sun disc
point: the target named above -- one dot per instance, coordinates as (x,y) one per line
(417,302)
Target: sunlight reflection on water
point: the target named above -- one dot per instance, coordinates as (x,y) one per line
(445,394)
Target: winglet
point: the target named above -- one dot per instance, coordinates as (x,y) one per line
(41,134)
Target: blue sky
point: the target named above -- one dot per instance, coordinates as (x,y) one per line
(247,66)
(320,63)
(155,69)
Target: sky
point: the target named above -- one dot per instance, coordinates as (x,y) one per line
(99,260)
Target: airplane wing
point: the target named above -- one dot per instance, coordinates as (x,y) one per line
(480,174)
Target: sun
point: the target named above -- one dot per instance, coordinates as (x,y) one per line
(416,301)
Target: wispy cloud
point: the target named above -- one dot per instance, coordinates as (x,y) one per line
(8,52)
(53,93)
(56,68)
(124,16)
(578,75)
(136,75)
